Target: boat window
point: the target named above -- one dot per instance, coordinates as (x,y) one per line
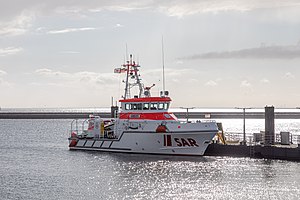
(160,106)
(133,106)
(153,106)
(139,106)
(166,106)
(136,106)
(146,106)
(127,106)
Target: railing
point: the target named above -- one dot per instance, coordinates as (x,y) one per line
(236,137)
(78,126)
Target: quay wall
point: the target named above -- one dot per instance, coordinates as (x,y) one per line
(256,151)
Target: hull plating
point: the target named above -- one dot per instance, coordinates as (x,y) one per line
(180,143)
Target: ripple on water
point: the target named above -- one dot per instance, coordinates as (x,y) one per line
(36,164)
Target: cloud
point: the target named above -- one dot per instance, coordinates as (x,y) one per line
(70,30)
(51,73)
(83,77)
(19,25)
(289,75)
(177,8)
(119,26)
(264,52)
(17,16)
(10,51)
(245,84)
(2,73)
(265,81)
(168,71)
(188,7)
(211,83)
(3,82)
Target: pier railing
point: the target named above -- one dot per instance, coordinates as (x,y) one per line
(237,138)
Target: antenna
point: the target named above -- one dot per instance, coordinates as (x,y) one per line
(163,63)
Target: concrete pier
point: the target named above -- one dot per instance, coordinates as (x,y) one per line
(255,151)
(268,149)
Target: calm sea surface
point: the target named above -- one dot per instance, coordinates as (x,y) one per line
(35,163)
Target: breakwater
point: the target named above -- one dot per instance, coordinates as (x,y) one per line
(181,115)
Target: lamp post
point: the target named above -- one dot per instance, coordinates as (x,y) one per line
(187,112)
(244,124)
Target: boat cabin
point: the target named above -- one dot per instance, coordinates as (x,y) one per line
(146,108)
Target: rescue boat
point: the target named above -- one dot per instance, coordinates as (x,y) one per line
(144,124)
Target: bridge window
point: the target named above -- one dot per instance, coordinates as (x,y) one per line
(166,106)
(146,106)
(161,106)
(136,106)
(153,106)
(133,106)
(139,106)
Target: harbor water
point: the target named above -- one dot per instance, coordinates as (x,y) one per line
(35,163)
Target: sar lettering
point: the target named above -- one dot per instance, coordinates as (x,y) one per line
(182,142)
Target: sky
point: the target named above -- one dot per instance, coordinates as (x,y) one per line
(218,53)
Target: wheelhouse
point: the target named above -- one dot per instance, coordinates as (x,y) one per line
(145,104)
(151,108)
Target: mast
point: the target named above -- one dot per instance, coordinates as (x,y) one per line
(131,69)
(163,64)
(127,91)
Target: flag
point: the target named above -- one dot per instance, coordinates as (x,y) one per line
(119,70)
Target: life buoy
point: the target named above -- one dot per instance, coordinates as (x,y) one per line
(73,143)
(161,129)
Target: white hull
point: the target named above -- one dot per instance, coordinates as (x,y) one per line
(179,143)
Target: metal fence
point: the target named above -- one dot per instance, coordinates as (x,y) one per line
(236,137)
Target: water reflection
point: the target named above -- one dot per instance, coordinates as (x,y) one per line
(36,164)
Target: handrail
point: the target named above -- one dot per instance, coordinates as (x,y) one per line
(294,138)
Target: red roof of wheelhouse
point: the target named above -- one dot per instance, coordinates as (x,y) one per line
(147,99)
